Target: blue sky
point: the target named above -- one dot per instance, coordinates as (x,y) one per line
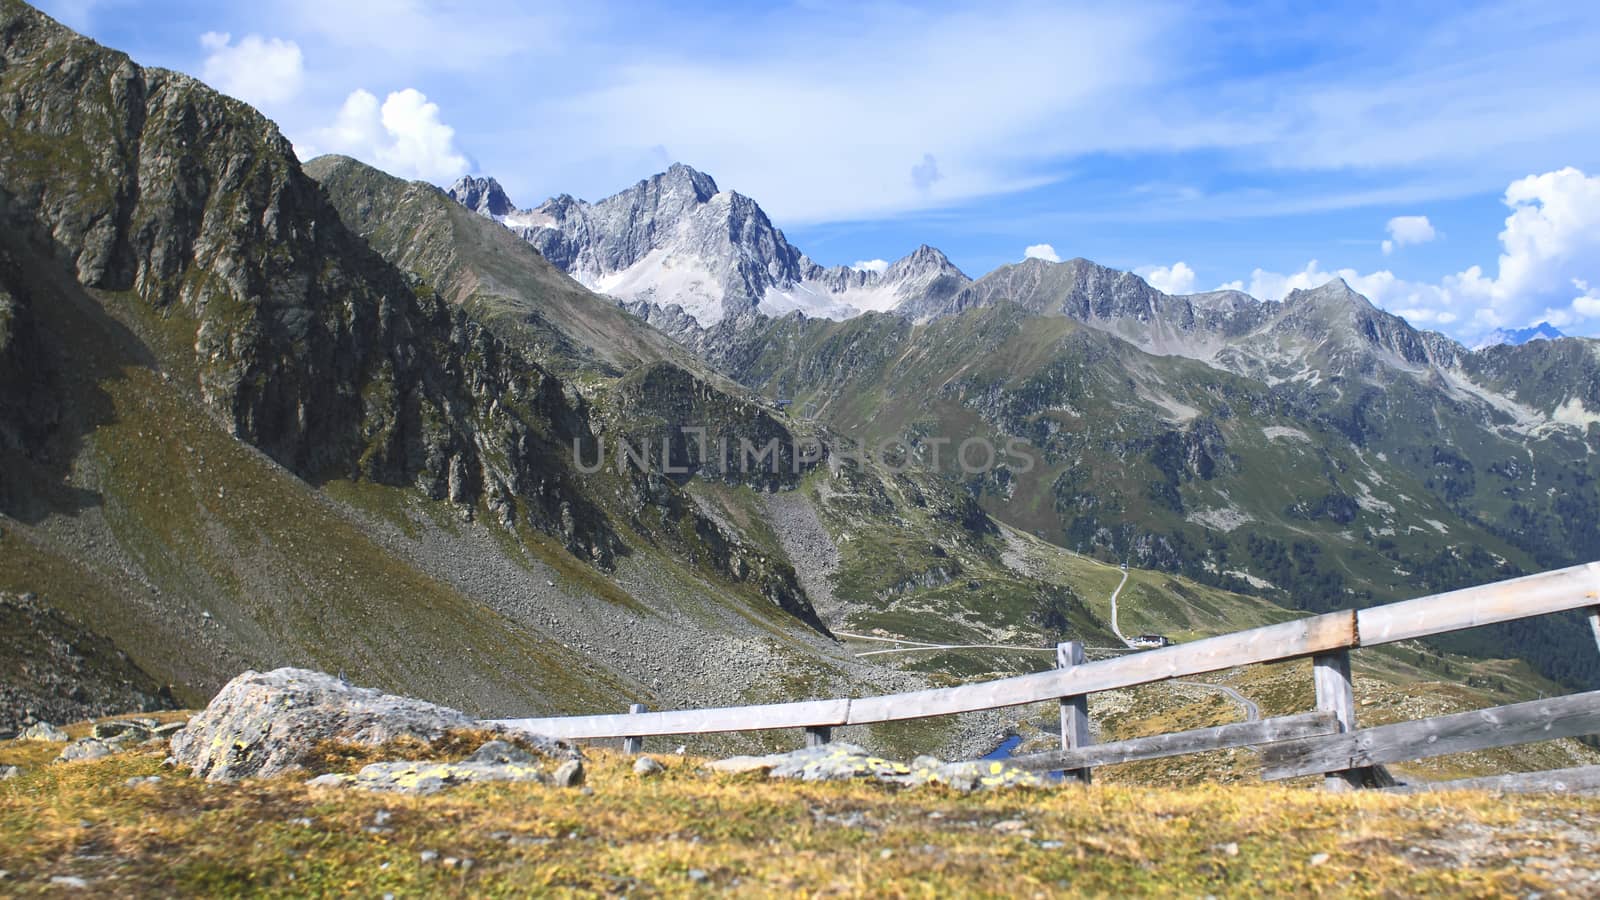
(1265,146)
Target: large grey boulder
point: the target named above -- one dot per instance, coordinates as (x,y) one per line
(265,723)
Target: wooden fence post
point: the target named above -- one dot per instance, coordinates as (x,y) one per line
(818,735)
(1594,624)
(634,744)
(1336,694)
(1074,710)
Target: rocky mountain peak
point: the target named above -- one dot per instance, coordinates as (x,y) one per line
(677,239)
(923,261)
(1336,293)
(1543,331)
(703,186)
(483,196)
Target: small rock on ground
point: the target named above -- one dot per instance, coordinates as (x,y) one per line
(44,731)
(646,766)
(86,748)
(569,774)
(839,762)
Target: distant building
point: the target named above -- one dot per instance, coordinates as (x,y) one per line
(1149,641)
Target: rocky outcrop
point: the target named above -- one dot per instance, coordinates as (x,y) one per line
(265,723)
(495,761)
(483,196)
(848,762)
(151,186)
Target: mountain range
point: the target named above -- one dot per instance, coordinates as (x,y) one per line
(1315,449)
(1543,331)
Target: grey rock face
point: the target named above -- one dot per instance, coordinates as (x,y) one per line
(646,766)
(263,723)
(306,343)
(676,240)
(483,196)
(8,772)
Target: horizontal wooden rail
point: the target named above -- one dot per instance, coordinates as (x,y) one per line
(1481,729)
(1566,589)
(1200,740)
(1288,640)
(1577,587)
(1557,781)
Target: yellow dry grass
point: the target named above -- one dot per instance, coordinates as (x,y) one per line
(687,831)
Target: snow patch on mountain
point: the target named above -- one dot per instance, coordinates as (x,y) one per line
(676,239)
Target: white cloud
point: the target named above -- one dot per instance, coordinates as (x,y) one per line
(424,33)
(1405,230)
(841,93)
(870,265)
(1041,251)
(1177,278)
(1550,245)
(262,72)
(1586,304)
(404,136)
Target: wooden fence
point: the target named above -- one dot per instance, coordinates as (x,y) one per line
(1326,741)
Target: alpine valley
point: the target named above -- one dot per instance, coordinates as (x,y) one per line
(256,412)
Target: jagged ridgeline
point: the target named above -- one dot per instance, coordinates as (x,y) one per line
(1317,451)
(251,419)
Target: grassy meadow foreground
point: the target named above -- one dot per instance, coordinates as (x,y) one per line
(686,831)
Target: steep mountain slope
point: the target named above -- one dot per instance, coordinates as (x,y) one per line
(677,240)
(232,434)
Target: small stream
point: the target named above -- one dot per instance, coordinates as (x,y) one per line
(1006,748)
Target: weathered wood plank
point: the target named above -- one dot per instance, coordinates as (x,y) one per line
(1075,733)
(818,735)
(1565,589)
(1271,643)
(689,721)
(1574,587)
(1500,726)
(1200,740)
(1336,695)
(1555,781)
